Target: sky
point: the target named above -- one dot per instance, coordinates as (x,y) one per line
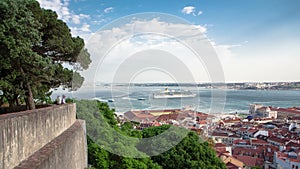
(186,41)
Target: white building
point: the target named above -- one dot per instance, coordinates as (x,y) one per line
(258,110)
(261,132)
(286,160)
(253,108)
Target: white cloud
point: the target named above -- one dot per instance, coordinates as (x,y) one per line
(85,28)
(76,19)
(55,5)
(83,31)
(188,10)
(124,41)
(191,10)
(98,21)
(108,10)
(63,11)
(223,51)
(202,29)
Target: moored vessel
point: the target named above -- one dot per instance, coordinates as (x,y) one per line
(173,94)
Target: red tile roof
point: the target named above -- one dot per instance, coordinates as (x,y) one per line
(220,145)
(139,116)
(202,122)
(250,161)
(234,136)
(243,129)
(294,160)
(277,140)
(252,130)
(217,134)
(165,117)
(259,142)
(232,120)
(247,142)
(292,144)
(229,165)
(249,151)
(287,110)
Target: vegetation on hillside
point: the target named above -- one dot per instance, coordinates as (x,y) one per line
(190,152)
(34,46)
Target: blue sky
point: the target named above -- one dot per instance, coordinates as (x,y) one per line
(256,40)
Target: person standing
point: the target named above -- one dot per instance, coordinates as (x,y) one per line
(58,100)
(63,101)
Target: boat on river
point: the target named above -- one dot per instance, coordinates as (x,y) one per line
(173,94)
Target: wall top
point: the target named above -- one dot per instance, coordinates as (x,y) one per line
(27,112)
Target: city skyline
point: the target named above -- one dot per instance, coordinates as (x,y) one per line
(255,41)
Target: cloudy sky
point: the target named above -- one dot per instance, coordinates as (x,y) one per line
(254,40)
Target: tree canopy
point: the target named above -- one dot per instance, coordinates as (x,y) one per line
(34,47)
(190,152)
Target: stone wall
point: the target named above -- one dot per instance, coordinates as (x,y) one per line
(24,133)
(67,151)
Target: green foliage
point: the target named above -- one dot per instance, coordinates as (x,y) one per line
(161,139)
(34,45)
(44,98)
(96,155)
(189,153)
(100,158)
(102,128)
(153,131)
(107,113)
(18,33)
(127,129)
(70,100)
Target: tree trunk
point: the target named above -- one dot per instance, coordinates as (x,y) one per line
(15,99)
(10,101)
(29,95)
(1,101)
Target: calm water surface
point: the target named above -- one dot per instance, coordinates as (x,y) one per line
(207,100)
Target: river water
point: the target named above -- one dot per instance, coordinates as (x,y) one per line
(207,100)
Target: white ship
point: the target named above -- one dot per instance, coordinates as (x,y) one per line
(173,94)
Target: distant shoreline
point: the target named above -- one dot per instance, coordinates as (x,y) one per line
(238,86)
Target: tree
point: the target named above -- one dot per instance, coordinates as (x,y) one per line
(18,33)
(99,158)
(190,152)
(35,45)
(96,155)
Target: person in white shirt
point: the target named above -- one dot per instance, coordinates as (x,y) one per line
(63,101)
(58,100)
